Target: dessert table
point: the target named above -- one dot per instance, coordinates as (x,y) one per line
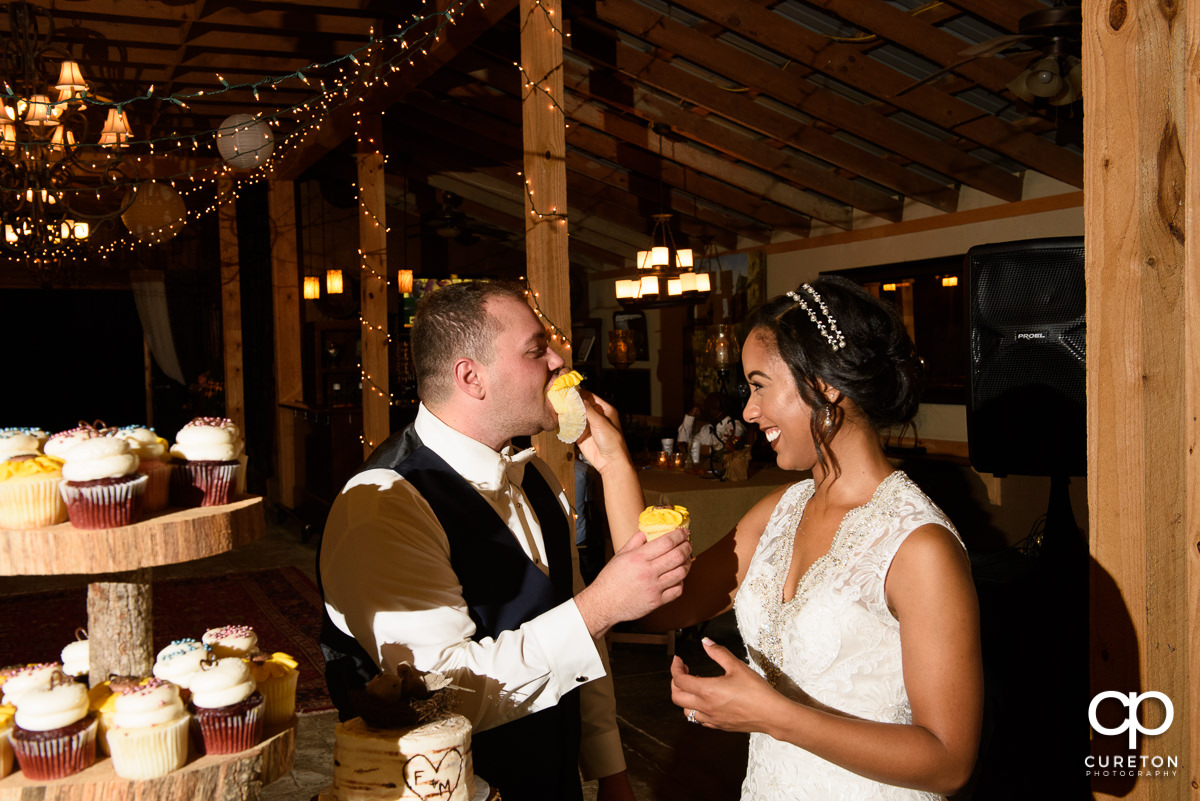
(715,506)
(119,617)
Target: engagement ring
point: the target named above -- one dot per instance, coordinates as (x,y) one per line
(691,716)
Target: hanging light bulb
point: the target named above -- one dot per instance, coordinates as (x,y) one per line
(312,287)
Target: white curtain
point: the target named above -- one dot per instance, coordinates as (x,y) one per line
(150,296)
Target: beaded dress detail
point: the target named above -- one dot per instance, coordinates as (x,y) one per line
(835,644)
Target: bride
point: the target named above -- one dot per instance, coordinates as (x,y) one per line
(852,591)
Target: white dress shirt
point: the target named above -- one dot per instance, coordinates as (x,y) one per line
(388,581)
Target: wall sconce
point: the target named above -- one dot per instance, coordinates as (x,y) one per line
(312,287)
(333,282)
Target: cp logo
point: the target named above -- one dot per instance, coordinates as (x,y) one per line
(1131,724)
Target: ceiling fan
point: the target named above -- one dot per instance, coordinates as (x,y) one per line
(449,221)
(1055,78)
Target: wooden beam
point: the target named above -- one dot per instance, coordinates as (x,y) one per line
(289,377)
(1143,379)
(372,246)
(544,127)
(231,305)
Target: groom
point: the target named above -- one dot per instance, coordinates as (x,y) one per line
(452,552)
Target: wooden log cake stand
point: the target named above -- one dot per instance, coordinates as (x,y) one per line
(119,610)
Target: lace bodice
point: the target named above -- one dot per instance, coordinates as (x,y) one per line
(835,643)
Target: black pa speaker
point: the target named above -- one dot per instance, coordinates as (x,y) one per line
(1026,406)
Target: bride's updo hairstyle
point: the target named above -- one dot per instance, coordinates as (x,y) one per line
(831,331)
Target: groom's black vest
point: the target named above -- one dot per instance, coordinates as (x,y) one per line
(535,757)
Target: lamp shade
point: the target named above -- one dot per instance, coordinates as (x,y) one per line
(116,128)
(404,281)
(245,141)
(312,287)
(156,214)
(333,281)
(70,79)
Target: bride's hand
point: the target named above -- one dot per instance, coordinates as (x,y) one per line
(735,701)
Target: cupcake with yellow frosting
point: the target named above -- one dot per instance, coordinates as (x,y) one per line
(276,675)
(102,487)
(6,726)
(148,737)
(207,450)
(153,462)
(654,521)
(564,397)
(29,494)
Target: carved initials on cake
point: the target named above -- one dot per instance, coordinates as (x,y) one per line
(430,781)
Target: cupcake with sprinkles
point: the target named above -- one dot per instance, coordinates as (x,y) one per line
(239,641)
(54,735)
(227,706)
(60,442)
(207,452)
(180,661)
(153,462)
(17,680)
(21,442)
(148,737)
(102,487)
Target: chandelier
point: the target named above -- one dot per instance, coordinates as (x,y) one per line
(55,183)
(664,274)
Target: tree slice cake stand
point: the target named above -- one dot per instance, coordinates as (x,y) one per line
(119,600)
(119,612)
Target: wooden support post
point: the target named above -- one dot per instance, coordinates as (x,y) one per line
(289,379)
(1142,134)
(231,305)
(543,123)
(372,246)
(120,626)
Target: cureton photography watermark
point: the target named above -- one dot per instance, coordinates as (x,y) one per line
(1133,763)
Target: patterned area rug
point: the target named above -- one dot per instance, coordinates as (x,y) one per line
(281,604)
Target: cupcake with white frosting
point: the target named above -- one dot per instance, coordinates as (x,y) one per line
(239,641)
(54,736)
(227,706)
(180,661)
(153,462)
(207,452)
(17,680)
(102,487)
(148,736)
(24,442)
(60,442)
(76,655)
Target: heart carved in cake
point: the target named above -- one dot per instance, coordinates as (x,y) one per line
(430,781)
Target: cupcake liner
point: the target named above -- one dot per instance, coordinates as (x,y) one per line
(43,758)
(28,504)
(203,483)
(228,730)
(158,486)
(280,695)
(150,752)
(6,752)
(99,506)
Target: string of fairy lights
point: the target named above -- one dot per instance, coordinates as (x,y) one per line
(335,83)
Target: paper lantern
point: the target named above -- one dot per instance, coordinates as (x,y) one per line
(156,213)
(245,141)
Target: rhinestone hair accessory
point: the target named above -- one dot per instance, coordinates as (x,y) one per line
(832,334)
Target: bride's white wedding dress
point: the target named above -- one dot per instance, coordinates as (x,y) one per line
(835,642)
